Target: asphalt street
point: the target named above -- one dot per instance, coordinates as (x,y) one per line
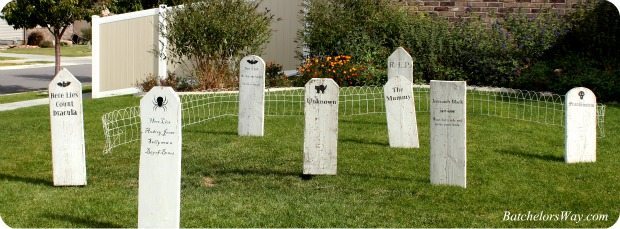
(23,78)
(30,79)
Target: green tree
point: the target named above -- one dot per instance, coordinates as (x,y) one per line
(212,36)
(55,15)
(125,6)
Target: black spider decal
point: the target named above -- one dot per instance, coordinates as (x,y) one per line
(160,102)
(320,88)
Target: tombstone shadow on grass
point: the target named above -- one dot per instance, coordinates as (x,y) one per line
(30,180)
(256,172)
(364,141)
(81,221)
(213,132)
(422,180)
(531,155)
(364,122)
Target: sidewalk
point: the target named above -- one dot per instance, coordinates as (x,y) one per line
(31,103)
(66,61)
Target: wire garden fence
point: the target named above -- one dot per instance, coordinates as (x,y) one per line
(122,126)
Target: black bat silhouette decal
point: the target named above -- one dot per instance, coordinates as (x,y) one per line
(252,61)
(320,88)
(63,83)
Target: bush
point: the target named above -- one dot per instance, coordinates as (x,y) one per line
(35,38)
(340,68)
(87,34)
(366,30)
(586,56)
(213,36)
(46,44)
(177,83)
(275,77)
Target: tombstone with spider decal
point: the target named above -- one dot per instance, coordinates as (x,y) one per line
(67,126)
(251,96)
(321,127)
(580,132)
(159,190)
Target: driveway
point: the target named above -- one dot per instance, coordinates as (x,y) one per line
(36,77)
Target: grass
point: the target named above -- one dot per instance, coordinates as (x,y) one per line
(232,181)
(66,51)
(7,58)
(25,63)
(18,97)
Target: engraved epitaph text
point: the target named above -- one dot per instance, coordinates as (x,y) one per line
(251,96)
(448,133)
(580,132)
(321,127)
(159,191)
(67,124)
(400,113)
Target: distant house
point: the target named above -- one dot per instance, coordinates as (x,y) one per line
(8,35)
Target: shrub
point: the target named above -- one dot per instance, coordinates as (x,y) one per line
(153,80)
(86,35)
(46,44)
(585,56)
(366,30)
(35,38)
(212,37)
(340,68)
(275,77)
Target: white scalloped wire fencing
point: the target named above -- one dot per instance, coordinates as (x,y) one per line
(123,126)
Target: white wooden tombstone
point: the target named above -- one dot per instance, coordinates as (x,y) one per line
(400,113)
(3,224)
(321,128)
(448,133)
(580,132)
(251,96)
(67,125)
(159,190)
(400,63)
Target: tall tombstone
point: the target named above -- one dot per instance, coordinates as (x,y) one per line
(400,63)
(159,190)
(321,130)
(580,132)
(400,113)
(67,124)
(448,133)
(251,96)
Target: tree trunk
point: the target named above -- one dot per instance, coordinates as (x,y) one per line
(57,53)
(57,32)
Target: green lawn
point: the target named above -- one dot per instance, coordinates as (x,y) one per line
(232,181)
(67,51)
(25,63)
(18,97)
(7,58)
(22,96)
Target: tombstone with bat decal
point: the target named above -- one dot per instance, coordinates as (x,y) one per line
(251,96)
(67,126)
(321,127)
